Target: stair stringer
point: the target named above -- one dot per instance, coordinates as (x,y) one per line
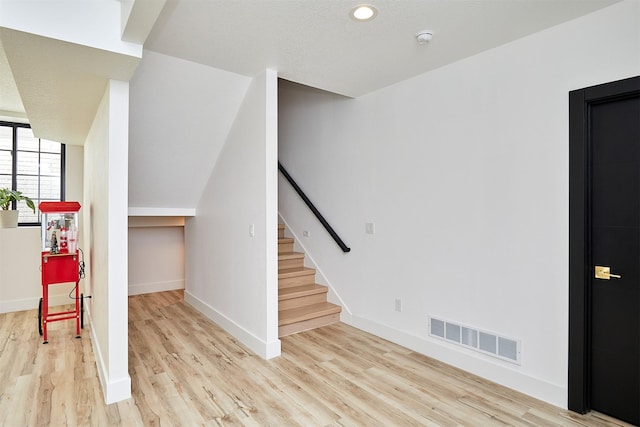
(332,296)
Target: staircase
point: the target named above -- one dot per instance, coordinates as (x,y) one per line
(302,304)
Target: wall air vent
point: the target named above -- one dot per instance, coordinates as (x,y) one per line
(475,339)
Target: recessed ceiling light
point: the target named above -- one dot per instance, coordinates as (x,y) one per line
(364,12)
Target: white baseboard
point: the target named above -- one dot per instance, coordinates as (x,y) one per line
(32,303)
(505,374)
(149,288)
(112,390)
(266,350)
(117,390)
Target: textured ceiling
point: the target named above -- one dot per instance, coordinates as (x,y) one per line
(313,42)
(10,103)
(61,83)
(316,42)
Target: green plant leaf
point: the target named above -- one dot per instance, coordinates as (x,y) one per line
(30,204)
(7,196)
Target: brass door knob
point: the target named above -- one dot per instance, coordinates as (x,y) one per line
(605,273)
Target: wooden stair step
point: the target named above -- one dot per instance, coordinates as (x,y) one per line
(300,296)
(285,244)
(296,276)
(290,255)
(301,291)
(302,303)
(308,317)
(290,259)
(286,273)
(300,314)
(307,325)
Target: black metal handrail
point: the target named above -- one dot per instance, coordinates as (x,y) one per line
(315,211)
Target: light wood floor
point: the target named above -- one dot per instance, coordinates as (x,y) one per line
(187,371)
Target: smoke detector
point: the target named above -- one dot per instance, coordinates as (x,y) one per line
(424,37)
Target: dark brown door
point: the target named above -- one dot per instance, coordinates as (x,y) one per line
(610,254)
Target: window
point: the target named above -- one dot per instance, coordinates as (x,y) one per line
(31,165)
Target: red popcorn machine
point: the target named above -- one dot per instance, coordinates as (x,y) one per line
(60,262)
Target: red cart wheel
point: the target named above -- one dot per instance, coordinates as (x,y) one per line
(40,317)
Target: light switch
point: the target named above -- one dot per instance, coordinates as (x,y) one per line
(370,228)
(252,230)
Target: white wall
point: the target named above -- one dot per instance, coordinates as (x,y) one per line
(20,278)
(181,113)
(464,171)
(96,24)
(105,239)
(232,276)
(156,255)
(74,176)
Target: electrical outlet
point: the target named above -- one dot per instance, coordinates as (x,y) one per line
(252,230)
(306,233)
(398,305)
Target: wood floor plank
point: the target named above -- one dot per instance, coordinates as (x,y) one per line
(186,371)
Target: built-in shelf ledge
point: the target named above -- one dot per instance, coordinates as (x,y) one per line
(185,212)
(156,221)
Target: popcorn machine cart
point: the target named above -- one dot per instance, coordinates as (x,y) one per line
(60,262)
